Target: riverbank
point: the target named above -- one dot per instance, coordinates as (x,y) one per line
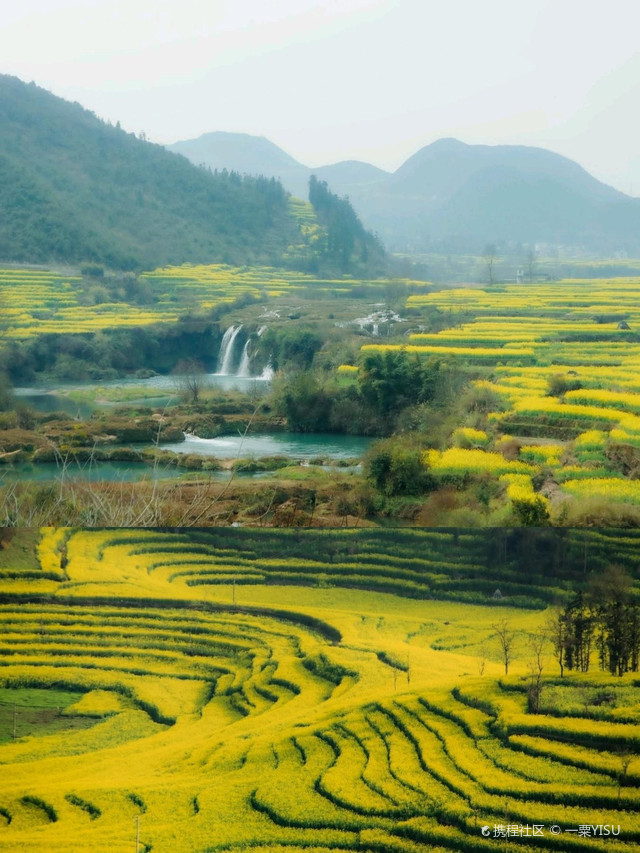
(294,495)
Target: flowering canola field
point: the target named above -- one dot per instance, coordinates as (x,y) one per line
(235,708)
(36,302)
(561,361)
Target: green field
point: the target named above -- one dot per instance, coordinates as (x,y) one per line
(241,697)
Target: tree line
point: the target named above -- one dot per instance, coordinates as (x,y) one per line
(605,620)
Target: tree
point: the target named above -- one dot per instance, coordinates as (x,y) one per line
(531,511)
(6,396)
(290,347)
(304,403)
(397,470)
(531,260)
(606,614)
(506,637)
(579,625)
(625,761)
(190,379)
(537,643)
(391,380)
(615,617)
(490,256)
(557,633)
(482,659)
(347,242)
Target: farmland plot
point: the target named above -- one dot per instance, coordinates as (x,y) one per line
(230,699)
(560,361)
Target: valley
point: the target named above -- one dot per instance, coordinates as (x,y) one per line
(319,484)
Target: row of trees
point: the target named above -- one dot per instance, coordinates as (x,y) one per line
(605,619)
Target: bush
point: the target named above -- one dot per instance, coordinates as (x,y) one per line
(89,808)
(47,808)
(396,469)
(559,384)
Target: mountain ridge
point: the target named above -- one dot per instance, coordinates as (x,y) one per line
(450,195)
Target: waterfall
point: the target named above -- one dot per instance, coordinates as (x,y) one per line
(243,370)
(261,330)
(226,359)
(225,356)
(268,373)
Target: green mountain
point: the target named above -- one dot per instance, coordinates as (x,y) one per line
(452,196)
(351,174)
(73,189)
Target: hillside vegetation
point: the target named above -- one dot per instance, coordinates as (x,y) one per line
(100,324)
(77,189)
(213,691)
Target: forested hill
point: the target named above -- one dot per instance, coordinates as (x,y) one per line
(347,244)
(73,189)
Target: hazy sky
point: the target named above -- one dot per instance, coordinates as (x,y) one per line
(372,80)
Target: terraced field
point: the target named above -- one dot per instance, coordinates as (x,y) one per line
(560,363)
(36,302)
(214,698)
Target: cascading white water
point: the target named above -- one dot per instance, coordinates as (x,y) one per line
(267,373)
(225,357)
(243,369)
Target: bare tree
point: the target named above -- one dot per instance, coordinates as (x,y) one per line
(537,643)
(490,256)
(625,760)
(190,379)
(482,659)
(556,628)
(506,637)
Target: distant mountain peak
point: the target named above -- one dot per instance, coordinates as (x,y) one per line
(447,143)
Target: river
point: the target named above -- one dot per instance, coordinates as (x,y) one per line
(295,445)
(56,398)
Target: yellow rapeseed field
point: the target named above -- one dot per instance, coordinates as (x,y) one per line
(558,362)
(282,717)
